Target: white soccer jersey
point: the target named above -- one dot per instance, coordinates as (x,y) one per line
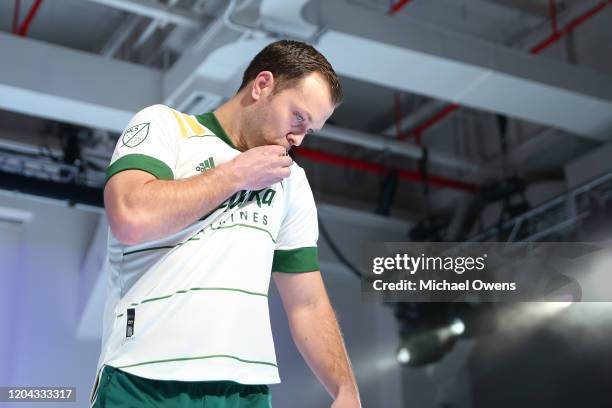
(194,306)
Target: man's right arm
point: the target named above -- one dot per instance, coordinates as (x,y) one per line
(142,208)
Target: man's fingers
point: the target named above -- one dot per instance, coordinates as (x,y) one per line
(284,172)
(275,150)
(280,161)
(285,161)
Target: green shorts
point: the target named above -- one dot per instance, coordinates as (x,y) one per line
(120,389)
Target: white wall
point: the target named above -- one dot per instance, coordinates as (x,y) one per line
(38,317)
(45,262)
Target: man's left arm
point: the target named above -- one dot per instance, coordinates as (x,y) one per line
(316,333)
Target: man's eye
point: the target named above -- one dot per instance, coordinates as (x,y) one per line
(299,117)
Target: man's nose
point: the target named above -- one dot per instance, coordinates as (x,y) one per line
(295,139)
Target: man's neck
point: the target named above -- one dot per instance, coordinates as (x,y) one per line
(230,118)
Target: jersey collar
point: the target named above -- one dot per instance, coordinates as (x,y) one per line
(209,120)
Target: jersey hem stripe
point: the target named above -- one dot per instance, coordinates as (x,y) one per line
(200,358)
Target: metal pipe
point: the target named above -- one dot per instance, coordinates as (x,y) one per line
(16,8)
(552,12)
(569,27)
(25,26)
(418,131)
(119,36)
(151,27)
(154,11)
(396,7)
(552,39)
(376,142)
(420,115)
(409,175)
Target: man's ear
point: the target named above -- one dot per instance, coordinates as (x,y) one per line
(263,84)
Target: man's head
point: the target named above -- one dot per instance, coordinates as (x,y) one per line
(288,90)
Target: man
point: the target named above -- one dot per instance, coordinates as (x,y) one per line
(201,210)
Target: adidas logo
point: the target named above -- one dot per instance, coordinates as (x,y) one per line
(206,165)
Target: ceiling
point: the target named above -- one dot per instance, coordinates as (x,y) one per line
(447,69)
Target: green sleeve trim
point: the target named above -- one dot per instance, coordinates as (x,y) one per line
(140,162)
(296,260)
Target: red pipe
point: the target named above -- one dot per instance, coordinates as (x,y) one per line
(418,131)
(16,8)
(569,27)
(25,26)
(410,175)
(398,117)
(552,12)
(553,38)
(398,6)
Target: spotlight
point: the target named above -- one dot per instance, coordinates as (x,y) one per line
(428,331)
(403,355)
(423,347)
(457,327)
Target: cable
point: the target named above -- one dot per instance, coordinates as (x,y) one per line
(337,252)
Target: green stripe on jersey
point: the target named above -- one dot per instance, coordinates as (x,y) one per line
(200,358)
(296,260)
(247,292)
(140,162)
(244,226)
(160,247)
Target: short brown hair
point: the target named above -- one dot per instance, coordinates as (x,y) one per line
(289,61)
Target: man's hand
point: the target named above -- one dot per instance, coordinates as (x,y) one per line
(346,401)
(261,166)
(347,397)
(316,334)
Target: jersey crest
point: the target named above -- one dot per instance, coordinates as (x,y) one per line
(135,135)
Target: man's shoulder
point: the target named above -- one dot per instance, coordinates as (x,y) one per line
(157,109)
(162,112)
(159,114)
(174,121)
(297,172)
(297,180)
